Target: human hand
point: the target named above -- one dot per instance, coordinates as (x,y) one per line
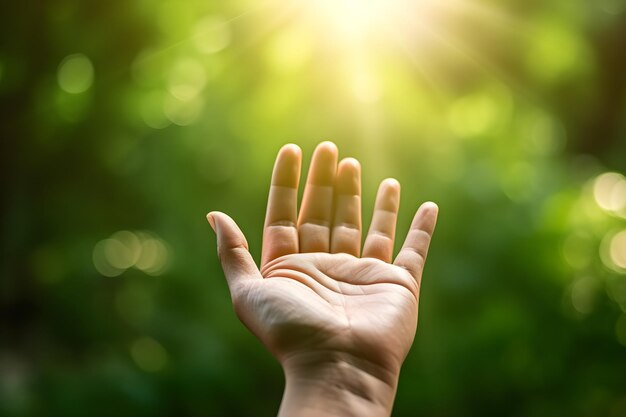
(340,322)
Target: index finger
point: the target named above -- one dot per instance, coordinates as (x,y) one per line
(280,235)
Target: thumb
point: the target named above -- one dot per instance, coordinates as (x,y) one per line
(232,249)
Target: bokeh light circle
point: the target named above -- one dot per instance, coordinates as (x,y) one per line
(75,74)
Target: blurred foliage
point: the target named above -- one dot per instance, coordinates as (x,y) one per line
(123,123)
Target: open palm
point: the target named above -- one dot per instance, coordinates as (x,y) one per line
(315,293)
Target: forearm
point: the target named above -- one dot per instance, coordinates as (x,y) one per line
(334,384)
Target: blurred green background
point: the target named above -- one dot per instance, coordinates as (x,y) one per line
(124,122)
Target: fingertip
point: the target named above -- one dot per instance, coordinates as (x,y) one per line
(391,183)
(349,166)
(426,217)
(348,179)
(327,147)
(323,166)
(211,219)
(290,149)
(286,171)
(389,191)
(227,229)
(388,195)
(350,162)
(430,207)
(289,154)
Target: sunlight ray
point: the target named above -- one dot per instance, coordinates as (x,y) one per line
(154,54)
(491,15)
(479,61)
(278,18)
(434,82)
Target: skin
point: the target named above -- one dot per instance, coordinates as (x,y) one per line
(339,320)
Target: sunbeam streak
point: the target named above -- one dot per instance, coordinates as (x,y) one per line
(197,36)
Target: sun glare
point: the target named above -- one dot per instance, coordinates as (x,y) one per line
(353,17)
(360,34)
(421,35)
(358,19)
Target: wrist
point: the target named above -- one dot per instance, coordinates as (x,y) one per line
(336,384)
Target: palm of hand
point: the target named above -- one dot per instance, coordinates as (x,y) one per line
(334,302)
(313,292)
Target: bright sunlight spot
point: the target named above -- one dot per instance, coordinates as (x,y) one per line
(353,17)
(356,19)
(618,249)
(609,190)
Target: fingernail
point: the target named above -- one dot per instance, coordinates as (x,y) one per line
(211,221)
